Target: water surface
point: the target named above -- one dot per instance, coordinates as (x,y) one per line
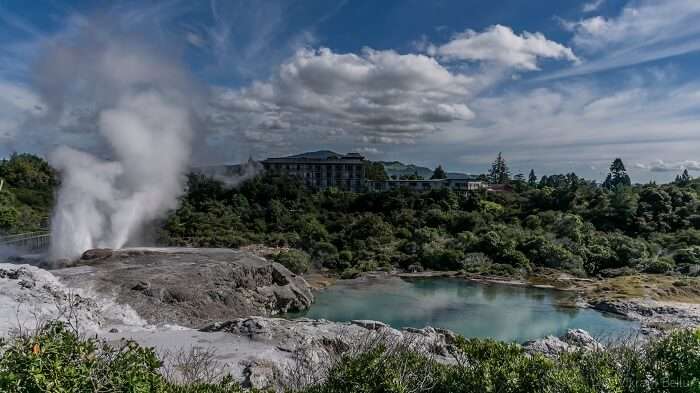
(502,312)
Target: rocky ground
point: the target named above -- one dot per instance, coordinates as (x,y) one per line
(221,302)
(189,287)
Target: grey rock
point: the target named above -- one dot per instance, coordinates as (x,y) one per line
(277,347)
(652,313)
(190,287)
(259,375)
(573,340)
(369,325)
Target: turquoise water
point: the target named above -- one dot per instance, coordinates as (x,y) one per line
(502,312)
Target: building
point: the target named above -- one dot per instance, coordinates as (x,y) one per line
(455,184)
(322,169)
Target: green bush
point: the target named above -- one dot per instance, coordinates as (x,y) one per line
(296,261)
(57,360)
(659,266)
(688,256)
(669,365)
(350,273)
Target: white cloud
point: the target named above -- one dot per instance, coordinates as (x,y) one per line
(382,95)
(499,44)
(586,123)
(643,31)
(665,166)
(592,5)
(369,150)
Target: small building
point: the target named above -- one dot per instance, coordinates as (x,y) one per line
(322,169)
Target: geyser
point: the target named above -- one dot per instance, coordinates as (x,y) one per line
(141,108)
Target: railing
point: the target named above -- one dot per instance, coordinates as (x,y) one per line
(31,241)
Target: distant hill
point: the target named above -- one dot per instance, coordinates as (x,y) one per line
(400,169)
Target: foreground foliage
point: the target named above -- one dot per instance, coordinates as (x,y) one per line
(56,359)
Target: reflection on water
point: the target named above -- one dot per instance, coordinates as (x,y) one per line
(472,309)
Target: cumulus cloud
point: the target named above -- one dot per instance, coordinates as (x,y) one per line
(578,124)
(499,44)
(665,166)
(386,95)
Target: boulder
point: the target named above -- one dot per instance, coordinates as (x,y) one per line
(573,340)
(190,287)
(369,325)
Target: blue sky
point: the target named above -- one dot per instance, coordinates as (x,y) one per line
(557,86)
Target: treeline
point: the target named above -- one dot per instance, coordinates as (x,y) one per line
(27,193)
(560,221)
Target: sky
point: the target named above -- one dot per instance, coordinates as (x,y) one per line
(557,86)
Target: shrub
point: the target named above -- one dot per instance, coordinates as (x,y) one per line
(349,274)
(325,254)
(688,256)
(56,359)
(441,256)
(659,266)
(673,363)
(296,261)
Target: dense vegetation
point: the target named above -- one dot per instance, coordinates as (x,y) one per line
(56,359)
(26,197)
(559,221)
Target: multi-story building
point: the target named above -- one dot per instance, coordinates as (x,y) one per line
(455,184)
(322,169)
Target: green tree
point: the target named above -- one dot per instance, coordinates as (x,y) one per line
(532,178)
(499,173)
(375,171)
(618,175)
(439,173)
(683,179)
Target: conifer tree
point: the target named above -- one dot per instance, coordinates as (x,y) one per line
(439,173)
(532,178)
(499,174)
(684,179)
(618,175)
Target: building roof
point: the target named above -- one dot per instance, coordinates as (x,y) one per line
(321,155)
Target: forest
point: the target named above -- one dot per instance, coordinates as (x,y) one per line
(558,221)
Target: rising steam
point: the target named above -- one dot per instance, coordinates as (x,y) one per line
(140,106)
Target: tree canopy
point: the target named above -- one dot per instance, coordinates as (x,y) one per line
(499,173)
(618,175)
(439,173)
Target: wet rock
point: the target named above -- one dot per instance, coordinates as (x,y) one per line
(96,254)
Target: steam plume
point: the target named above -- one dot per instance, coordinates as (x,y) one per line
(140,107)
